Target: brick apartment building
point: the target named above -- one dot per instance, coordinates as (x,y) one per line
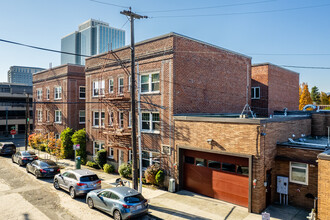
(273,88)
(178,75)
(59,94)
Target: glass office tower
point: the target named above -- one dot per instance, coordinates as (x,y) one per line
(93,37)
(22,74)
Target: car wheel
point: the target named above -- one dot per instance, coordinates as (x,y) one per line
(37,176)
(90,203)
(12,159)
(72,193)
(20,163)
(116,215)
(56,185)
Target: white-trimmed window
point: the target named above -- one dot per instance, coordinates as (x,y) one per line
(110,153)
(47,93)
(255,93)
(82,117)
(120,119)
(129,119)
(150,83)
(129,83)
(110,85)
(150,122)
(57,136)
(48,116)
(98,119)
(58,116)
(58,92)
(299,173)
(39,115)
(111,118)
(97,146)
(120,85)
(82,92)
(39,94)
(98,88)
(149,158)
(130,156)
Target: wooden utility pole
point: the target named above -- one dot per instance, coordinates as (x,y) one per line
(134,148)
(27,120)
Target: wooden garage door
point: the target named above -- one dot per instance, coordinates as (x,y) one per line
(218,176)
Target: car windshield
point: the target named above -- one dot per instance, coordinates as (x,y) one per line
(47,163)
(134,199)
(89,178)
(27,154)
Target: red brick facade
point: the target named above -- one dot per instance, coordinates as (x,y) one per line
(279,89)
(68,78)
(194,77)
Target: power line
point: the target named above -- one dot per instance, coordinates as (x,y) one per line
(242,13)
(209,7)
(111,4)
(308,67)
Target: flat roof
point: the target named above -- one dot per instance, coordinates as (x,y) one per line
(271,64)
(308,142)
(57,67)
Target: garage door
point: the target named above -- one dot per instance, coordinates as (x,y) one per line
(218,176)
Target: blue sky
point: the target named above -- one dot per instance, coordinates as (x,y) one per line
(303,31)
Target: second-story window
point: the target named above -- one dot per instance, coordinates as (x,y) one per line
(58,116)
(82,92)
(120,119)
(98,119)
(150,83)
(111,118)
(39,115)
(39,94)
(130,119)
(58,92)
(82,117)
(255,93)
(110,85)
(47,93)
(120,85)
(150,122)
(98,88)
(48,115)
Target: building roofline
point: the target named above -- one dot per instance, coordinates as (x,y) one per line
(69,34)
(13,84)
(27,67)
(171,34)
(271,64)
(58,67)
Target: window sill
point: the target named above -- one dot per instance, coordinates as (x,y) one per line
(150,93)
(97,96)
(296,182)
(82,98)
(82,123)
(57,122)
(255,98)
(150,132)
(57,99)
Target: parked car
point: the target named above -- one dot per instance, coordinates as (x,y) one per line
(121,202)
(24,157)
(7,148)
(77,182)
(43,168)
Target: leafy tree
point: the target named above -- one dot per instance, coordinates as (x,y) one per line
(54,146)
(79,137)
(305,97)
(125,170)
(67,145)
(315,95)
(324,99)
(101,158)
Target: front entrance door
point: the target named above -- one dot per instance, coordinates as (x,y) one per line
(269,187)
(120,157)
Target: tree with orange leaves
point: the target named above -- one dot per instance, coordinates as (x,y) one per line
(305,97)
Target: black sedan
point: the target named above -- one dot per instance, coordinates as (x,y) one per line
(24,157)
(43,168)
(7,148)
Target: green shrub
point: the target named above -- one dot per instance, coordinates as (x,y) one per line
(79,137)
(108,168)
(150,174)
(67,145)
(125,170)
(160,176)
(101,158)
(92,164)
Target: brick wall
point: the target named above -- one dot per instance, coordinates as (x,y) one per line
(320,123)
(259,78)
(323,211)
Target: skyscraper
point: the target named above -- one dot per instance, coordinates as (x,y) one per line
(93,37)
(22,74)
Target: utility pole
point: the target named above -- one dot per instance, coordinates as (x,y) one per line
(27,120)
(133,16)
(139,126)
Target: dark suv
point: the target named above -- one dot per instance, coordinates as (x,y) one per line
(7,148)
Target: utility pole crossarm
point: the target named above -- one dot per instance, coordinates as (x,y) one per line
(132,14)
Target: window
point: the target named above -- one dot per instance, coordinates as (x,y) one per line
(58,92)
(47,94)
(82,92)
(105,194)
(97,146)
(39,115)
(98,88)
(129,83)
(189,160)
(255,93)
(48,115)
(229,167)
(110,85)
(39,94)
(110,152)
(200,162)
(120,85)
(130,119)
(58,116)
(120,119)
(149,158)
(214,164)
(57,136)
(243,170)
(150,83)
(150,122)
(98,119)
(299,173)
(111,118)
(114,196)
(82,117)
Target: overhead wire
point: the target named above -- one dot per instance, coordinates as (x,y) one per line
(107,3)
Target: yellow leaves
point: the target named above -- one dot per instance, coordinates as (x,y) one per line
(305,96)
